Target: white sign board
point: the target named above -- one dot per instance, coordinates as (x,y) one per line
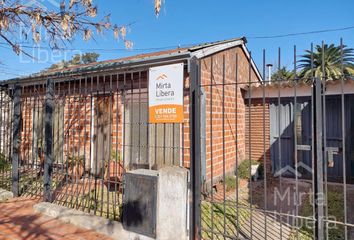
(166,94)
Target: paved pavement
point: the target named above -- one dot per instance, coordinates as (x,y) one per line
(18,221)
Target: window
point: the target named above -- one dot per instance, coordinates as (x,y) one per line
(148,145)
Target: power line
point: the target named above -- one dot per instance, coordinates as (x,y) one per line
(301,33)
(184,45)
(99,49)
(10,73)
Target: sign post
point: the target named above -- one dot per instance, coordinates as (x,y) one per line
(166,94)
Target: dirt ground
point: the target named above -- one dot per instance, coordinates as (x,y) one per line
(18,221)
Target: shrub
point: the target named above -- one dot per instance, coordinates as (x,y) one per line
(4,163)
(244,169)
(335,201)
(74,160)
(115,156)
(230,183)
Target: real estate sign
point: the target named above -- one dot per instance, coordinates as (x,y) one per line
(166,94)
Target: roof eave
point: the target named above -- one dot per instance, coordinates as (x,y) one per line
(218,48)
(202,53)
(146,62)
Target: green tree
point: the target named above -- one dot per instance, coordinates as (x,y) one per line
(282,74)
(77,59)
(89,57)
(331,57)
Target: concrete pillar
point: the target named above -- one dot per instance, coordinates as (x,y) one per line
(172,204)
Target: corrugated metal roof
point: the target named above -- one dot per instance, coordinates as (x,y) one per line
(178,53)
(292,83)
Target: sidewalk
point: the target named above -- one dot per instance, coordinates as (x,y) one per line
(18,221)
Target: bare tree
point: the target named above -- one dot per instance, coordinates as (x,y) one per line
(26,20)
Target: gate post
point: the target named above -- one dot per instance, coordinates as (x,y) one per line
(318,161)
(48,133)
(195,149)
(16,139)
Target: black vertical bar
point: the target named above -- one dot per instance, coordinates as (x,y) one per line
(16,139)
(6,132)
(118,155)
(264,143)
(295,149)
(83,201)
(343,141)
(124,92)
(325,159)
(139,121)
(194,112)
(131,125)
(101,126)
(312,78)
(96,142)
(279,81)
(148,158)
(318,152)
(110,146)
(91,131)
(236,141)
(223,141)
(48,161)
(211,146)
(250,143)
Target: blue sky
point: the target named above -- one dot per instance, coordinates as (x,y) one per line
(187,22)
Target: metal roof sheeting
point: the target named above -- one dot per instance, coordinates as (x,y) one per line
(136,60)
(287,88)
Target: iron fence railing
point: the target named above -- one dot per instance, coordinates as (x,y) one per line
(77,138)
(269,158)
(280,151)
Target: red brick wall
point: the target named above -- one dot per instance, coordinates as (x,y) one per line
(257,134)
(224,148)
(78,112)
(76,121)
(185,141)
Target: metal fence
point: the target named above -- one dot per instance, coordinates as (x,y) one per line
(77,138)
(269,159)
(280,158)
(6,115)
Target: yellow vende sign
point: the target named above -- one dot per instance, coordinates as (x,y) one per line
(166,94)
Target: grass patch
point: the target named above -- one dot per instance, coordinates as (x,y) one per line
(244,169)
(5,172)
(102,201)
(5,164)
(222,219)
(230,183)
(335,207)
(6,179)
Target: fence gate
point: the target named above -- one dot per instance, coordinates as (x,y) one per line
(278,163)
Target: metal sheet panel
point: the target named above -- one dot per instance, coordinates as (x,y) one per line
(139,202)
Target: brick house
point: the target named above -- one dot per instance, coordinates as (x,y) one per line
(101,110)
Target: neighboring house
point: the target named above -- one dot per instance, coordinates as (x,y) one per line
(102,108)
(272,128)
